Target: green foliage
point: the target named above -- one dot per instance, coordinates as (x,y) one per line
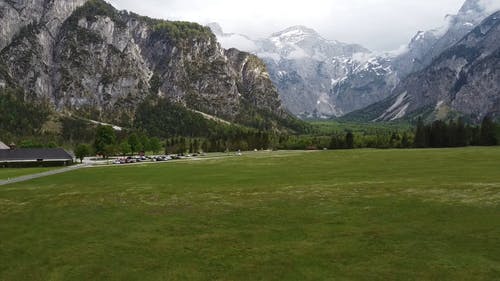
(488,132)
(454,134)
(162,118)
(105,141)
(345,135)
(93,8)
(18,117)
(125,148)
(82,151)
(76,130)
(365,128)
(180,31)
(155,145)
(134,143)
(30,144)
(264,120)
(349,140)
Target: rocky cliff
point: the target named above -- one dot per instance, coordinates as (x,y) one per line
(88,59)
(304,67)
(463,80)
(435,75)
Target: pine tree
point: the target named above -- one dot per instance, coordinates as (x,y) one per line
(349,140)
(421,135)
(461,133)
(488,136)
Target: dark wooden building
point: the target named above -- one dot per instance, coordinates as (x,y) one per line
(36,157)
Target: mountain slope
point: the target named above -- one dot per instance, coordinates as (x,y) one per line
(305,67)
(428,45)
(423,50)
(463,80)
(88,59)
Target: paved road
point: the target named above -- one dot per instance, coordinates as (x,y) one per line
(41,175)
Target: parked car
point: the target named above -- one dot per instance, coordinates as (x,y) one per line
(130,160)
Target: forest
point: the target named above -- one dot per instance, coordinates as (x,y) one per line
(171,128)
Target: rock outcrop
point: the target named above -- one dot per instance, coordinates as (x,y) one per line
(87,58)
(463,80)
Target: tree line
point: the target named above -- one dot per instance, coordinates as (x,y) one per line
(455,134)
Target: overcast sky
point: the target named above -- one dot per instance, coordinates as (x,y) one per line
(381,25)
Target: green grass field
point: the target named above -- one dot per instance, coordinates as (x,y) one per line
(334,215)
(14,173)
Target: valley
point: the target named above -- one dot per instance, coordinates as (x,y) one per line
(157,146)
(377,214)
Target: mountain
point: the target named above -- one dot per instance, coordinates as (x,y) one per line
(424,54)
(426,46)
(462,80)
(305,67)
(85,58)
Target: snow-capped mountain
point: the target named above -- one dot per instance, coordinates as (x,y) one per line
(448,73)
(463,80)
(299,42)
(317,77)
(303,65)
(422,51)
(428,45)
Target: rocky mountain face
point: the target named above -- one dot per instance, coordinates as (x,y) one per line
(321,78)
(462,80)
(425,54)
(428,45)
(88,59)
(305,67)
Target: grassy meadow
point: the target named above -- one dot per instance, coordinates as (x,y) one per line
(8,173)
(327,215)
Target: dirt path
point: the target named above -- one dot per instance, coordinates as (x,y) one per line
(41,175)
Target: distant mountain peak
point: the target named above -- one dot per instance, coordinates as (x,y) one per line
(297,29)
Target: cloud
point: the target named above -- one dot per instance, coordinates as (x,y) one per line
(490,6)
(238,42)
(377,24)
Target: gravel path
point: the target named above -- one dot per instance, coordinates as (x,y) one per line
(41,175)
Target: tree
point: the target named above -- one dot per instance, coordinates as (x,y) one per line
(82,151)
(182,146)
(109,149)
(205,146)
(145,142)
(439,134)
(421,135)
(405,142)
(337,142)
(135,143)
(105,137)
(196,145)
(461,133)
(124,148)
(488,135)
(155,145)
(349,140)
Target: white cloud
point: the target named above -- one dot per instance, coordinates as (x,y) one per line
(238,42)
(377,24)
(491,5)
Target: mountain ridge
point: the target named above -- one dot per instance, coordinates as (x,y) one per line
(103,63)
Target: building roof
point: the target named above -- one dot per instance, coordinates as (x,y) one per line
(36,154)
(3,146)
